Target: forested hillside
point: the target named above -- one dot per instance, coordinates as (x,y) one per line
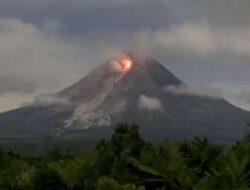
(127,162)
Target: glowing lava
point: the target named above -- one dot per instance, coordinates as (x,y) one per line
(125,64)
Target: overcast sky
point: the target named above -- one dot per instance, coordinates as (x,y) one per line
(47,45)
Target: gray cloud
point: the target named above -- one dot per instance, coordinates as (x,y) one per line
(91,15)
(81,15)
(65,3)
(14,100)
(48,99)
(198,38)
(242,99)
(16,84)
(48,60)
(231,92)
(237,94)
(224,12)
(193,91)
(150,103)
(40,59)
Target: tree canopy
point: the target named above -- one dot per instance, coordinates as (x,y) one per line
(127,162)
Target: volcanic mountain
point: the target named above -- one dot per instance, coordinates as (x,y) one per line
(127,89)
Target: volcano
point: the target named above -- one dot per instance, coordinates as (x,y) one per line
(127,89)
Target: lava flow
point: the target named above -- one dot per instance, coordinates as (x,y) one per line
(125,64)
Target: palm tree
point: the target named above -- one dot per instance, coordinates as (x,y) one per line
(230,172)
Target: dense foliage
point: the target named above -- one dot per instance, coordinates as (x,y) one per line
(127,162)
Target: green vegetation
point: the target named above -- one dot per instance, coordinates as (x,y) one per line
(127,162)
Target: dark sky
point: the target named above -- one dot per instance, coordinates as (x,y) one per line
(50,44)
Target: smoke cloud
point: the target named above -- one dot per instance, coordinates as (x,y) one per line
(39,59)
(197,38)
(11,100)
(16,84)
(48,99)
(241,99)
(150,103)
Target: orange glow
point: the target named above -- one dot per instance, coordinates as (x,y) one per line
(126,64)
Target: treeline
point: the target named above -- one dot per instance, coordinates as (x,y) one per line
(127,162)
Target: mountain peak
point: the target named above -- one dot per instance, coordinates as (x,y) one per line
(124,70)
(148,67)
